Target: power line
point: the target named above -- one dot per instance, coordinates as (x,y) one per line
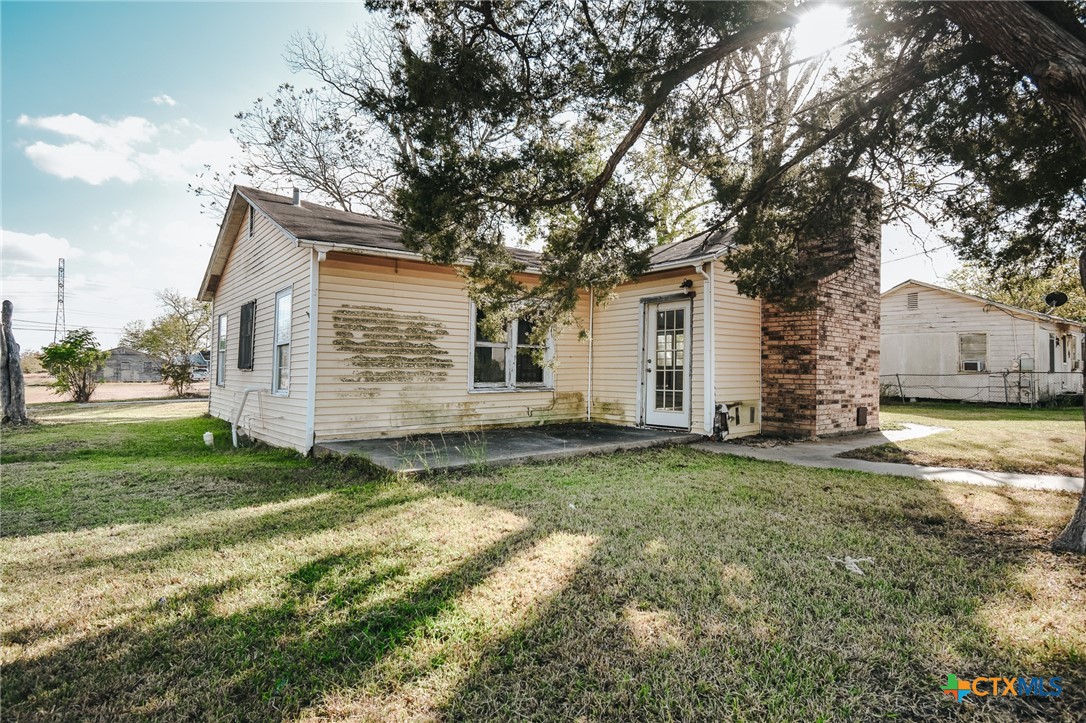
(918,253)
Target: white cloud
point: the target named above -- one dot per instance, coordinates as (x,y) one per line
(118,134)
(26,251)
(127,150)
(164,99)
(108,282)
(83,161)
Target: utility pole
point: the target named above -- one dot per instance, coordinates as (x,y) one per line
(60,327)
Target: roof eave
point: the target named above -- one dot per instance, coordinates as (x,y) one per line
(228,230)
(387,253)
(1015,310)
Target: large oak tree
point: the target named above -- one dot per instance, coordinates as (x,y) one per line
(558,122)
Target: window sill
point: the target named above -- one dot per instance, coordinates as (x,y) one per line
(281,394)
(508,390)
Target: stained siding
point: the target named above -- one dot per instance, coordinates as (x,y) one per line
(258,268)
(925,340)
(617,349)
(431,304)
(738,330)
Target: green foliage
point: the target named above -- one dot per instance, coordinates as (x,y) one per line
(1024,287)
(173,337)
(76,362)
(596,131)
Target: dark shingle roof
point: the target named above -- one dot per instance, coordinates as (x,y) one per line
(697,247)
(313,222)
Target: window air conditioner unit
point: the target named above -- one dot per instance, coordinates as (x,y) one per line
(972,366)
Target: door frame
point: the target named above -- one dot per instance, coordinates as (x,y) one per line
(643,325)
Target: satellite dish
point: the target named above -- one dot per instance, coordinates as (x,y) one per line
(1056,298)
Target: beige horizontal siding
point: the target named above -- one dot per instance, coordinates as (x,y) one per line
(738,331)
(617,352)
(430,305)
(258,268)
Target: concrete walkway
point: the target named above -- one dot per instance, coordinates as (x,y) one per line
(495,447)
(823,453)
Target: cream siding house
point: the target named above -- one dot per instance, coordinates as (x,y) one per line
(328,328)
(940,343)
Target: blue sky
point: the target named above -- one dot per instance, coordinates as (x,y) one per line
(108,111)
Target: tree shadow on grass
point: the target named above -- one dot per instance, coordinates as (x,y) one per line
(708,596)
(711,597)
(184,658)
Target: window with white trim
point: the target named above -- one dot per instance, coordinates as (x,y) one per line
(509,361)
(281,355)
(220,352)
(973,352)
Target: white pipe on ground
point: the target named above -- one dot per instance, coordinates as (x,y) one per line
(237,419)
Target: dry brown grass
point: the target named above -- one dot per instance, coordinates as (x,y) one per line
(999,439)
(37,391)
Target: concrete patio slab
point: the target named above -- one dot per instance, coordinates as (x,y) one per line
(823,453)
(496,447)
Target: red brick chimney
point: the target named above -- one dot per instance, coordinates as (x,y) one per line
(820,365)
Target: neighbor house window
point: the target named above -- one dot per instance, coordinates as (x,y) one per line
(252,223)
(508,361)
(246,334)
(973,352)
(220,352)
(281,358)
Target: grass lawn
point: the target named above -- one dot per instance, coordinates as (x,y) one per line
(147,576)
(999,439)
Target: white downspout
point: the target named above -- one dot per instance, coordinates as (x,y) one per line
(316,256)
(710,348)
(591,332)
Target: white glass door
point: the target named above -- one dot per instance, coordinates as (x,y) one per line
(667,376)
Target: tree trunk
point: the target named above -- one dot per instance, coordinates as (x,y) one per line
(12,388)
(1051,55)
(1073,537)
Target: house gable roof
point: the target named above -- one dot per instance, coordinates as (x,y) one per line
(1016,310)
(313,224)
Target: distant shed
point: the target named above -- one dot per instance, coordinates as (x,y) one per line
(129,365)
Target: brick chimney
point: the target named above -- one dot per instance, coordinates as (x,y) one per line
(820,365)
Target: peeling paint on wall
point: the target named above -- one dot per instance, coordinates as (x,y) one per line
(387,346)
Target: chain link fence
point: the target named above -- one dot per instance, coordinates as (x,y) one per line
(1009,387)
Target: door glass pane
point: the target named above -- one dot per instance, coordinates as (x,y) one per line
(670,377)
(490,365)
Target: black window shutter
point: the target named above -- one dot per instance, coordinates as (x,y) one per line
(246,333)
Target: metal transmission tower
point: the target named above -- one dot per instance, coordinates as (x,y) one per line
(60,327)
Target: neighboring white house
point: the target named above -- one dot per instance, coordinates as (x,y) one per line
(327,327)
(939,343)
